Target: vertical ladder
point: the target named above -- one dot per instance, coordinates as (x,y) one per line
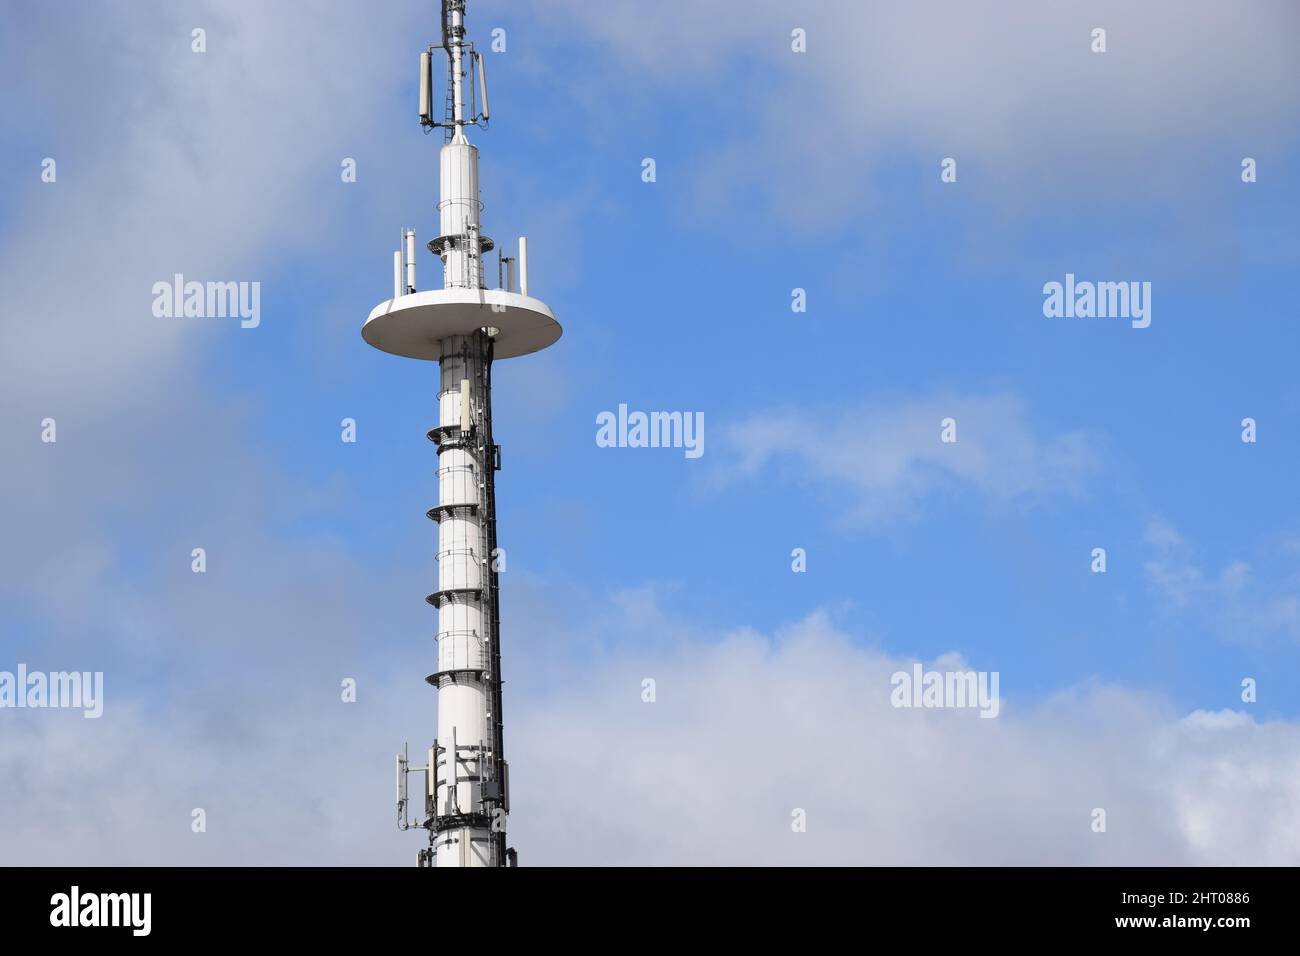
(495,766)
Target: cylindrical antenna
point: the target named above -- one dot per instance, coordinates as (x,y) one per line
(426,89)
(523,265)
(482,83)
(410,260)
(399,782)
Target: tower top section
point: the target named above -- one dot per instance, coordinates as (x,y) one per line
(419,323)
(464,64)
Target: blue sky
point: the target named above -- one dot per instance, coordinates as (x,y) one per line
(775,170)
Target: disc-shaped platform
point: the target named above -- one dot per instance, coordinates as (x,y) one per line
(411,325)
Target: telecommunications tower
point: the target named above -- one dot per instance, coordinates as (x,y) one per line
(464,326)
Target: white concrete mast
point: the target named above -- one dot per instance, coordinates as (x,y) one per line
(465,327)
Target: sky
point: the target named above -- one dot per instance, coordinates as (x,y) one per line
(774,171)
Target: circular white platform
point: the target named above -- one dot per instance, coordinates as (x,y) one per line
(412,325)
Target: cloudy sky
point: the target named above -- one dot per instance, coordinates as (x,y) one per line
(775,171)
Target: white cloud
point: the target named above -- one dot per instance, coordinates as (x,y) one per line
(887,458)
(213,165)
(221,165)
(1240,603)
(1010,89)
(746,728)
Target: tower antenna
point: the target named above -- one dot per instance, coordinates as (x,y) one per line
(465,327)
